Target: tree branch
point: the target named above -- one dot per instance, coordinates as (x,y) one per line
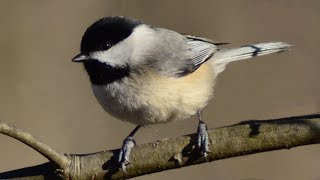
(247,137)
(53,156)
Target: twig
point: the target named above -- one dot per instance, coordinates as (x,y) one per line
(59,159)
(241,139)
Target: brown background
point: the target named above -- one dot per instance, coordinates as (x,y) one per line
(43,92)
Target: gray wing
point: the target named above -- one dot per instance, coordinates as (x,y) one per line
(196,38)
(178,55)
(202,51)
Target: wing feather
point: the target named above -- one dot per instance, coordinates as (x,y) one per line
(202,51)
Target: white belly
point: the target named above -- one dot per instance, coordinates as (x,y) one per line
(149,98)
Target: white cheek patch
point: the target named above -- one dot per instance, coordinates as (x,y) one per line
(131,51)
(117,55)
(143,40)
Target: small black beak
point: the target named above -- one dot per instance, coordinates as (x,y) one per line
(80,58)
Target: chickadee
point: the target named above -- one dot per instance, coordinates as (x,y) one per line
(148,75)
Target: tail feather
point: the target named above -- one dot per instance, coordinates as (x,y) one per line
(225,56)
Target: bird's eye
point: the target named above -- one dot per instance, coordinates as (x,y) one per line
(107,46)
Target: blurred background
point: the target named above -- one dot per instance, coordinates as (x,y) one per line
(43,92)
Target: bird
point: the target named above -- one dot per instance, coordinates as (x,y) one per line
(148,75)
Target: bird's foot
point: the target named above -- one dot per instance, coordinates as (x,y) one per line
(202,139)
(124,154)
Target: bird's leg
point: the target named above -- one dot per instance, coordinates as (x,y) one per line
(127,145)
(202,136)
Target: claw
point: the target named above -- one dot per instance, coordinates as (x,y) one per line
(124,154)
(203,139)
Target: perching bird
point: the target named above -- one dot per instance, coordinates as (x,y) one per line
(148,75)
